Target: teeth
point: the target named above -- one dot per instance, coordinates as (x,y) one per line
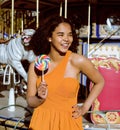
(65,45)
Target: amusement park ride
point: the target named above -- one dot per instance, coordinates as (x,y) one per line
(100,22)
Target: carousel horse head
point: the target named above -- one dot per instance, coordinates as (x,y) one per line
(26,36)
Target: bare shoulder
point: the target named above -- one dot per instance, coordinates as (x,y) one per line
(31,73)
(84,65)
(31,65)
(31,68)
(79,60)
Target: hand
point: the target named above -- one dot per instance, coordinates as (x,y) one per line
(78,111)
(42,90)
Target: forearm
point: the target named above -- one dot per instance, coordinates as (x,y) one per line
(34,101)
(94,93)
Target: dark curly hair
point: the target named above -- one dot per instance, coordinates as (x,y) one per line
(39,42)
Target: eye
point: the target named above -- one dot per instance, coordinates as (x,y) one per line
(70,34)
(60,34)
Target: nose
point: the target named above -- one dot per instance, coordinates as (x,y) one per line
(65,38)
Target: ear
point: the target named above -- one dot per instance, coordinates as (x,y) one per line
(49,39)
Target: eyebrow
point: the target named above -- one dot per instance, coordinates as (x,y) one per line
(63,32)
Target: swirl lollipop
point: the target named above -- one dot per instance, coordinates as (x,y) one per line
(42,63)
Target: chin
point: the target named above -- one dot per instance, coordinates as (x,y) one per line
(62,53)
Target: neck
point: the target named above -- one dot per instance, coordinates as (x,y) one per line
(56,56)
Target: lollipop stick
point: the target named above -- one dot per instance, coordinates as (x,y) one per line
(43,76)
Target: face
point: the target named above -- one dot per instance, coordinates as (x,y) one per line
(61,38)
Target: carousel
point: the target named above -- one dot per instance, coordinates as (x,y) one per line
(98,31)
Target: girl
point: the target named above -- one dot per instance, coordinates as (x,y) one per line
(55,99)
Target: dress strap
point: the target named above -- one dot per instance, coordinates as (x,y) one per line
(62,65)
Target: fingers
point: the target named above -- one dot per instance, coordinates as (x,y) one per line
(43,90)
(77,111)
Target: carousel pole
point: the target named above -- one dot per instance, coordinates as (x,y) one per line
(61,9)
(89,12)
(12,18)
(65,9)
(22,23)
(37,13)
(0,17)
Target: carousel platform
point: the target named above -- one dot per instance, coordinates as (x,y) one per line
(17,118)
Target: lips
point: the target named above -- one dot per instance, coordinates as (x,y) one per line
(65,45)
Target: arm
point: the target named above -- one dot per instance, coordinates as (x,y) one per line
(94,75)
(35,95)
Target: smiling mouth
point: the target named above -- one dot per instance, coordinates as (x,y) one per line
(65,45)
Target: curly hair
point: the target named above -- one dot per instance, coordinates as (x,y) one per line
(39,42)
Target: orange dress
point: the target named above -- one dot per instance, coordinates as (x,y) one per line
(56,112)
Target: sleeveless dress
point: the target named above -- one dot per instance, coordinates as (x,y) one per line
(56,112)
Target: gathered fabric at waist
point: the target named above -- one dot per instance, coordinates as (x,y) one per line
(64,104)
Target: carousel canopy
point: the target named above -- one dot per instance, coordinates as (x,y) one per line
(48,4)
(77,10)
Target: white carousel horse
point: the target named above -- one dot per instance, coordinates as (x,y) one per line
(14,51)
